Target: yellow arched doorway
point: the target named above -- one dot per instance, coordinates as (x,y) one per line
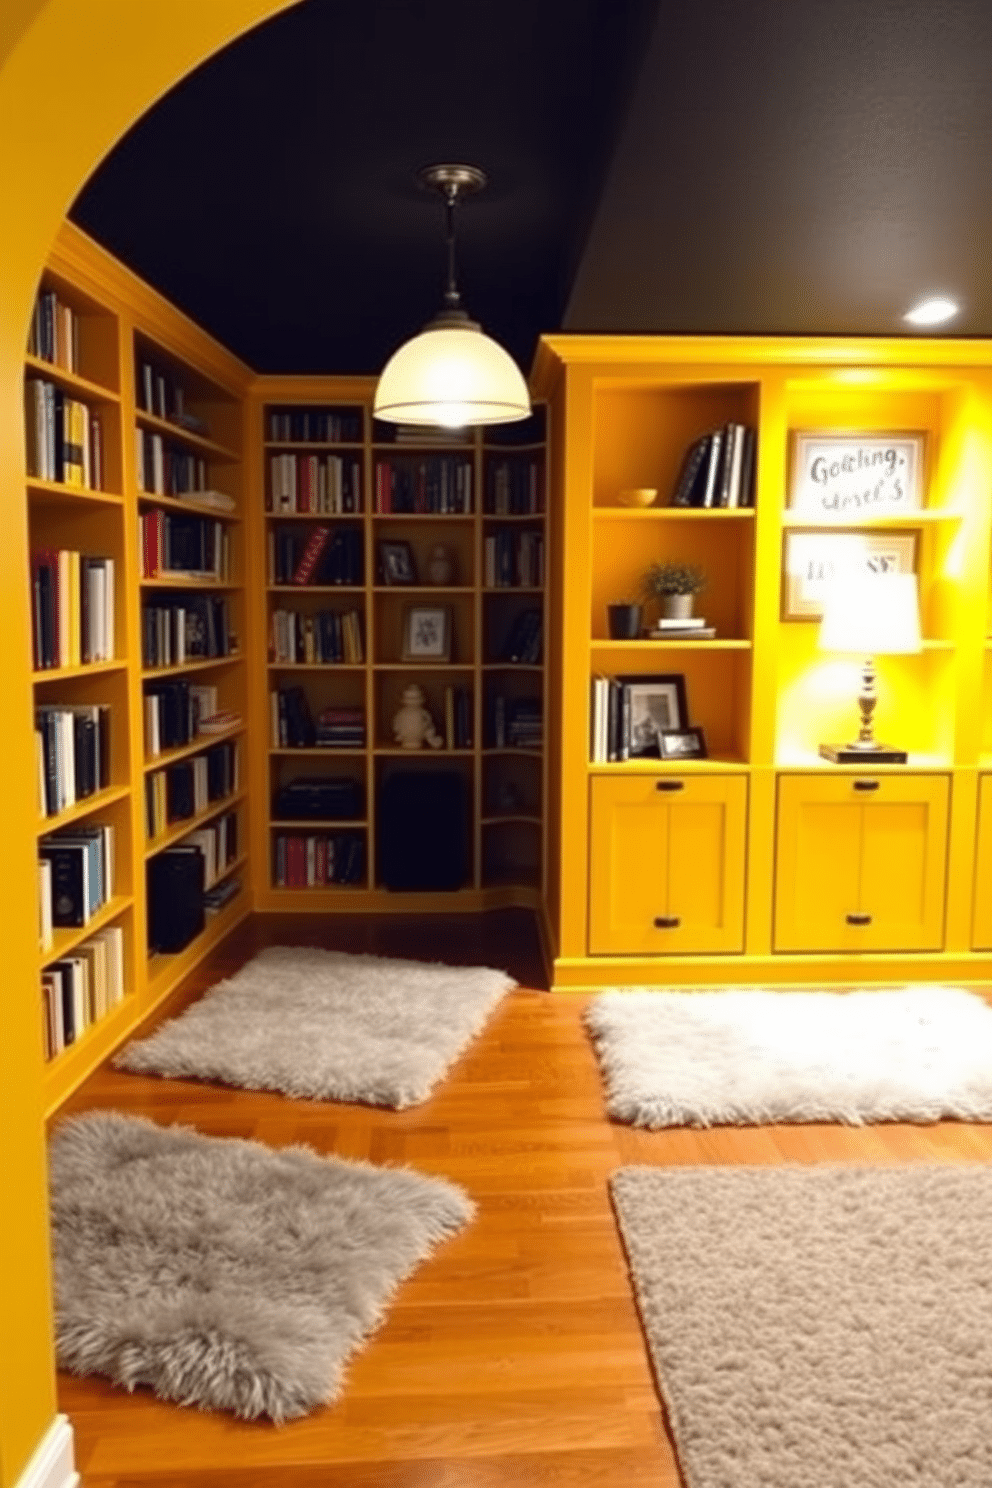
(74,75)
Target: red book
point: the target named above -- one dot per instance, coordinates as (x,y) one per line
(296,862)
(316,544)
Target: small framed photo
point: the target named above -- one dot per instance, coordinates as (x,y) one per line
(427,633)
(685,743)
(849,476)
(650,703)
(812,561)
(396,563)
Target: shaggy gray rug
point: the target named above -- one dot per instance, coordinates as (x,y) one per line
(750,1057)
(223,1273)
(818,1327)
(323,1025)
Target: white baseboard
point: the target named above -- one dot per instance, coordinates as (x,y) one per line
(52,1465)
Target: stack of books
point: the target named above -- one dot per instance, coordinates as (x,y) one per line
(693,628)
(341,728)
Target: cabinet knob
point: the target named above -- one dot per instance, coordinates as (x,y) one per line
(858,919)
(667,922)
(866,785)
(669,785)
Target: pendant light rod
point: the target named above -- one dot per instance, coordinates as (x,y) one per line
(452,181)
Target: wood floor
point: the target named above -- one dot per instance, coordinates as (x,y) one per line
(514,1355)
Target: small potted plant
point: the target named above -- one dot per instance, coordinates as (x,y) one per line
(675,585)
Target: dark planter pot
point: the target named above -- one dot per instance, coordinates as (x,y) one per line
(624,621)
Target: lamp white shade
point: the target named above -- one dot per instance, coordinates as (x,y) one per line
(452,375)
(872,614)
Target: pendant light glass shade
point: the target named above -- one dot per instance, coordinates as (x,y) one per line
(452,373)
(451,376)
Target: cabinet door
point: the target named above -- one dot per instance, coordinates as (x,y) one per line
(667,864)
(981,933)
(861,862)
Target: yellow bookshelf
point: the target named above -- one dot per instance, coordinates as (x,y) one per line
(505,787)
(764,862)
(118,326)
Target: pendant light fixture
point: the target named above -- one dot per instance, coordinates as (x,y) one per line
(452,373)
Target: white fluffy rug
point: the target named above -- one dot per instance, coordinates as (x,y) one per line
(709,1058)
(222,1273)
(818,1327)
(324,1025)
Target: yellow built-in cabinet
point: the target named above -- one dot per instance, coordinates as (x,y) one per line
(861,862)
(667,871)
(832,874)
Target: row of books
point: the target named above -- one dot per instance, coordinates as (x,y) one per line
(218,844)
(178,711)
(329,486)
(81,988)
(167,469)
(182,628)
(517,723)
(513,559)
(72,608)
(514,488)
(160,394)
(64,437)
(292,724)
(191,546)
(440,484)
(315,425)
(54,331)
(81,863)
(457,718)
(321,556)
(718,469)
(313,860)
(72,748)
(525,639)
(188,787)
(324,637)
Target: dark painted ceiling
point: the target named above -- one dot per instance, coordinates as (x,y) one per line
(723,165)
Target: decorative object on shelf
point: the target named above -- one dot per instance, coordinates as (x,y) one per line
(856,474)
(648,703)
(427,633)
(814,560)
(684,743)
(676,586)
(624,620)
(441,565)
(451,374)
(396,564)
(637,496)
(413,725)
(871,614)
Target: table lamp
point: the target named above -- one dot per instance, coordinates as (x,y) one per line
(873,615)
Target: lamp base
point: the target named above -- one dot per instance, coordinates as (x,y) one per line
(851,754)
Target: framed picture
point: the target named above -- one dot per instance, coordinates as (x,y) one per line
(684,743)
(854,475)
(396,563)
(427,633)
(812,561)
(650,702)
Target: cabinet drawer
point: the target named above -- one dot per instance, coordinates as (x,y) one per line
(861,862)
(667,864)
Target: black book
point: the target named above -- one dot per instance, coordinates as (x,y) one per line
(69,895)
(175,898)
(84,750)
(689,487)
(300,732)
(180,797)
(715,453)
(747,467)
(187,544)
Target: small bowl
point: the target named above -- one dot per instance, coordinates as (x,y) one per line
(637,496)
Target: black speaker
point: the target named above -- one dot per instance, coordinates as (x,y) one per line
(423,837)
(175,898)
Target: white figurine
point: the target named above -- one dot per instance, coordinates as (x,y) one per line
(412,724)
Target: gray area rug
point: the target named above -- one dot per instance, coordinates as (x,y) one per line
(324,1025)
(750,1057)
(222,1273)
(818,1327)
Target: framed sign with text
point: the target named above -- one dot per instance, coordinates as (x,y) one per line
(856,475)
(815,560)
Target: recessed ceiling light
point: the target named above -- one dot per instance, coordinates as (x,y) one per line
(931,312)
